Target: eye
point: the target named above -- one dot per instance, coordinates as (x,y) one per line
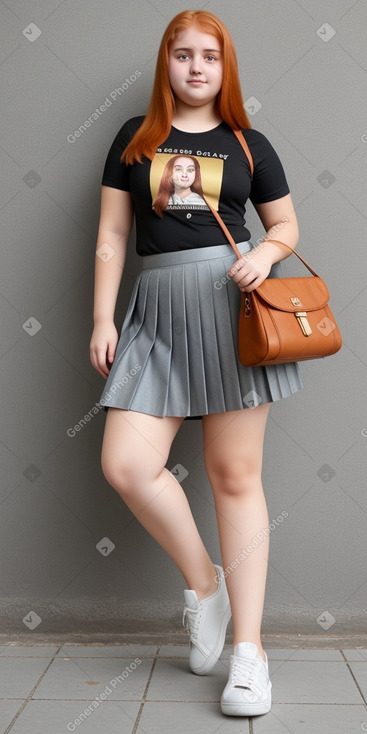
(210,58)
(182,56)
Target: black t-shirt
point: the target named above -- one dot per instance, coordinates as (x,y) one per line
(210,163)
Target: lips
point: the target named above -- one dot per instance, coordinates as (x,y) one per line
(196,81)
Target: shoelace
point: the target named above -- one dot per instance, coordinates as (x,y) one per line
(243,670)
(191,620)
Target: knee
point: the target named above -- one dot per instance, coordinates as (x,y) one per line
(120,473)
(236,477)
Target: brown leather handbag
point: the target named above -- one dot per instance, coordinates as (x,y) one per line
(283,319)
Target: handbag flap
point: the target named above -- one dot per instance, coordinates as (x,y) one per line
(294,294)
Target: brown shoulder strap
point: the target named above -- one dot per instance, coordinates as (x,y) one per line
(241,139)
(224,228)
(294,253)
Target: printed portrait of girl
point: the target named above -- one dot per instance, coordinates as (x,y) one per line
(180,184)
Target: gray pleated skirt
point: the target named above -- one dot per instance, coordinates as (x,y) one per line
(177,352)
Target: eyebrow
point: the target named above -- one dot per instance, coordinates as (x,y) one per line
(205,49)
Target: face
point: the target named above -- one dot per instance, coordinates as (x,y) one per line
(183,174)
(195,67)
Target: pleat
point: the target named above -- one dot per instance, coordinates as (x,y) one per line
(151,388)
(283,379)
(178,393)
(225,335)
(195,346)
(125,378)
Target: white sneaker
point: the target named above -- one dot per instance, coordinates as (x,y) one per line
(206,622)
(248,691)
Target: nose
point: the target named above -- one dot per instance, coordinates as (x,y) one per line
(196,64)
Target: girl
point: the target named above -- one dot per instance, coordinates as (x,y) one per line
(180,184)
(177,353)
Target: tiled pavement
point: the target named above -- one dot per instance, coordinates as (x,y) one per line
(148,689)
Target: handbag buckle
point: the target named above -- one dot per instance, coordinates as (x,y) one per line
(301,317)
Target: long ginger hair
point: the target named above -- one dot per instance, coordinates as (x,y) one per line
(167,187)
(229,103)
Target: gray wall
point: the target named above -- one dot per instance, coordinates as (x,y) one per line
(56,506)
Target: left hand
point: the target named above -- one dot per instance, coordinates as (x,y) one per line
(250,271)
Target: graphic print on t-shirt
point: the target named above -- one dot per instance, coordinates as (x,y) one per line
(180,181)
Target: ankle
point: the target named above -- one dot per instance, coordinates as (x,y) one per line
(209,588)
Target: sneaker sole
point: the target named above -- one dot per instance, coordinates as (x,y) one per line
(214,657)
(245,709)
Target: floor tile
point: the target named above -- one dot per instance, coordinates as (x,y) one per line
(312,682)
(8,709)
(174,651)
(293,719)
(356,654)
(359,671)
(173,681)
(53,717)
(19,675)
(32,651)
(83,678)
(181,718)
(303,654)
(108,651)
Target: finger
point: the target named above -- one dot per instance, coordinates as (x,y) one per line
(111,355)
(258,278)
(251,287)
(236,267)
(104,370)
(97,362)
(102,366)
(243,272)
(93,359)
(248,279)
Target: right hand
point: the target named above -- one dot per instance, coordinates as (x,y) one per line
(102,347)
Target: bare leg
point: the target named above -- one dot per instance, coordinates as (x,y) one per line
(233,444)
(135,450)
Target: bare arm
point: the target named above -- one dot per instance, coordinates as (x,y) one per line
(115,225)
(280,222)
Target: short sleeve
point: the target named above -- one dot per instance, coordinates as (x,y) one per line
(115,173)
(269,180)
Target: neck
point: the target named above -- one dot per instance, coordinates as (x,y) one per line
(195,119)
(182,191)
